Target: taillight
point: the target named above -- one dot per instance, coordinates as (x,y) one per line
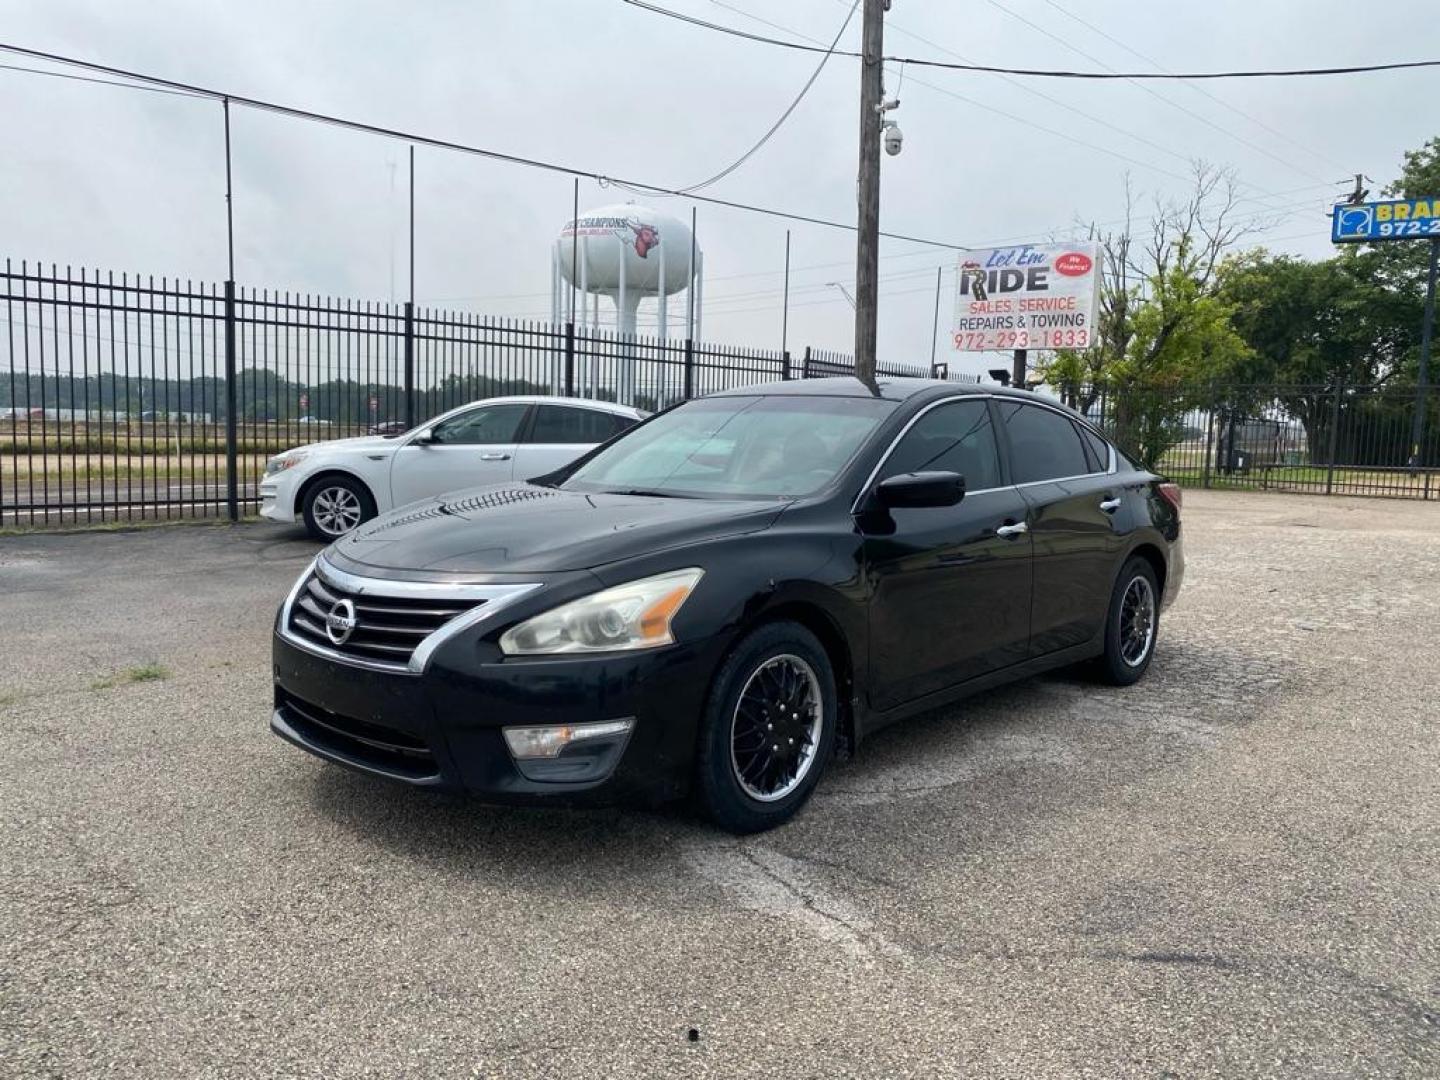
(1171,494)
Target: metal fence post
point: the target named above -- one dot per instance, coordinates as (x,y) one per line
(409,373)
(689,369)
(570,358)
(805,371)
(785,366)
(1209,435)
(1334,439)
(232,477)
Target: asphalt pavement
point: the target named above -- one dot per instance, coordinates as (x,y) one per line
(1232,869)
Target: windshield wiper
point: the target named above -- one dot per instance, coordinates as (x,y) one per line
(652,491)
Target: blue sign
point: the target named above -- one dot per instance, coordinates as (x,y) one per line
(1396,219)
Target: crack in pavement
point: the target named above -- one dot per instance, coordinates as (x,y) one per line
(775,884)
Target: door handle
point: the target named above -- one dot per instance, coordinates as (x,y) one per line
(1109,505)
(1012,530)
(494,457)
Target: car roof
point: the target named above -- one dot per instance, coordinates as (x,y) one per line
(890,389)
(553,399)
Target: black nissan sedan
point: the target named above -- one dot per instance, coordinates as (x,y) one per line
(716,601)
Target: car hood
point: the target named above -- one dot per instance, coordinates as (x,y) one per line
(526,528)
(359,444)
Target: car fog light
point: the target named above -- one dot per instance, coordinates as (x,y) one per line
(527,743)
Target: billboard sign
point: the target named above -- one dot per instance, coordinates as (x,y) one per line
(1032,296)
(1394,219)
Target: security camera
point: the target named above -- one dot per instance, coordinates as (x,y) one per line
(894,139)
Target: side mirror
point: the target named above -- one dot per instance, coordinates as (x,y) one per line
(425,438)
(920,489)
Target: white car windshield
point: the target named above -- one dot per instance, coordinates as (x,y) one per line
(743,447)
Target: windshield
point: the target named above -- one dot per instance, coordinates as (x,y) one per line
(736,448)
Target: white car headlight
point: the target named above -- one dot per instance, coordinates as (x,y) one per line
(635,615)
(281,462)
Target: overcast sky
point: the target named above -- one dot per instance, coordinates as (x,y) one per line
(118,179)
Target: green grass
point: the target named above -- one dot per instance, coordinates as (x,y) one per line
(146,440)
(141,673)
(137,447)
(1309,479)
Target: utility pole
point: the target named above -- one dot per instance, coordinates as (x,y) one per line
(935,322)
(785,307)
(867,248)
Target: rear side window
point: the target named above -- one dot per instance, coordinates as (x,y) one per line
(1099,449)
(957,437)
(1044,445)
(566,424)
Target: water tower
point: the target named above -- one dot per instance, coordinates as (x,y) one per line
(628,253)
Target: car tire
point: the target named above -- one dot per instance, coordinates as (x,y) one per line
(1132,624)
(334,505)
(779,676)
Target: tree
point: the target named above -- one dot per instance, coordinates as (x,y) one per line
(1318,323)
(1349,321)
(1163,327)
(1405,264)
(1313,327)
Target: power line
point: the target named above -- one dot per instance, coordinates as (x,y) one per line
(1050,98)
(990,107)
(1198,89)
(1022,84)
(1153,93)
(744,303)
(98,82)
(295,112)
(1038,236)
(987,106)
(1046,73)
(825,59)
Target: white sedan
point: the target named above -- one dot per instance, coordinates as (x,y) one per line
(334,486)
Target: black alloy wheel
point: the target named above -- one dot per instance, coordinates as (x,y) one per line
(1132,624)
(775,728)
(769,729)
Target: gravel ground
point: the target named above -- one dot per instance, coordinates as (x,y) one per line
(1230,869)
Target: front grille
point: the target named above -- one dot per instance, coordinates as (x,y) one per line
(364,741)
(387,629)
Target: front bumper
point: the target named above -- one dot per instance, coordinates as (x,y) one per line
(277,498)
(443,729)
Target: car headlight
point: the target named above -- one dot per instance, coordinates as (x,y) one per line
(281,462)
(635,615)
